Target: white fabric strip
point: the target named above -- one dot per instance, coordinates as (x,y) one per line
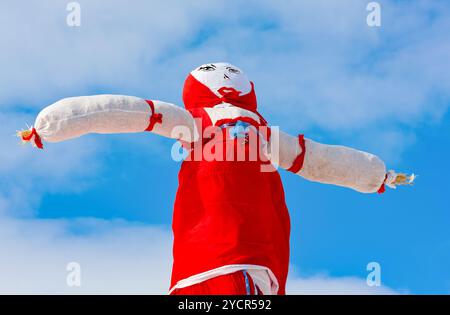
(227,111)
(262,276)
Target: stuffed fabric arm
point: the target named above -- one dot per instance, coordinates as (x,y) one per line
(343,166)
(337,165)
(105,114)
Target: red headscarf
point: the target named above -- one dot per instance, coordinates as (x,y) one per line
(197,94)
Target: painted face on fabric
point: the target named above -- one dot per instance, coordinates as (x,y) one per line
(221,75)
(214,83)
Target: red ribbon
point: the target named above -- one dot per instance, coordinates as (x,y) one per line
(154,118)
(300,159)
(37,138)
(382,189)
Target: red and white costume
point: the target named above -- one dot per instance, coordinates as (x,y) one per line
(231,225)
(229,216)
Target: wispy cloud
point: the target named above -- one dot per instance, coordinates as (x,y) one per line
(316,63)
(26,174)
(325,285)
(116,257)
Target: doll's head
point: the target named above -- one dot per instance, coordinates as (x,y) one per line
(215,83)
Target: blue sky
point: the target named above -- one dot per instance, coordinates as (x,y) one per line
(106,201)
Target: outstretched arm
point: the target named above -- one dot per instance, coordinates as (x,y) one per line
(76,116)
(337,165)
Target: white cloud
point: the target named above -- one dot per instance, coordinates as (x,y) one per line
(325,285)
(328,64)
(27,173)
(315,63)
(116,257)
(345,75)
(115,49)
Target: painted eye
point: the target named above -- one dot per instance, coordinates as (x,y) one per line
(207,68)
(232,70)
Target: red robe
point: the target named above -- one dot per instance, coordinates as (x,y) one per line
(229,212)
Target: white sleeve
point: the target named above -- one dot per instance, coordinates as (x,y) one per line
(331,164)
(105,114)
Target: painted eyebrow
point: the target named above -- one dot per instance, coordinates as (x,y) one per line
(207,65)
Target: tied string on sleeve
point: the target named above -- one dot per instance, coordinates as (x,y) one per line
(155,118)
(382,188)
(297,165)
